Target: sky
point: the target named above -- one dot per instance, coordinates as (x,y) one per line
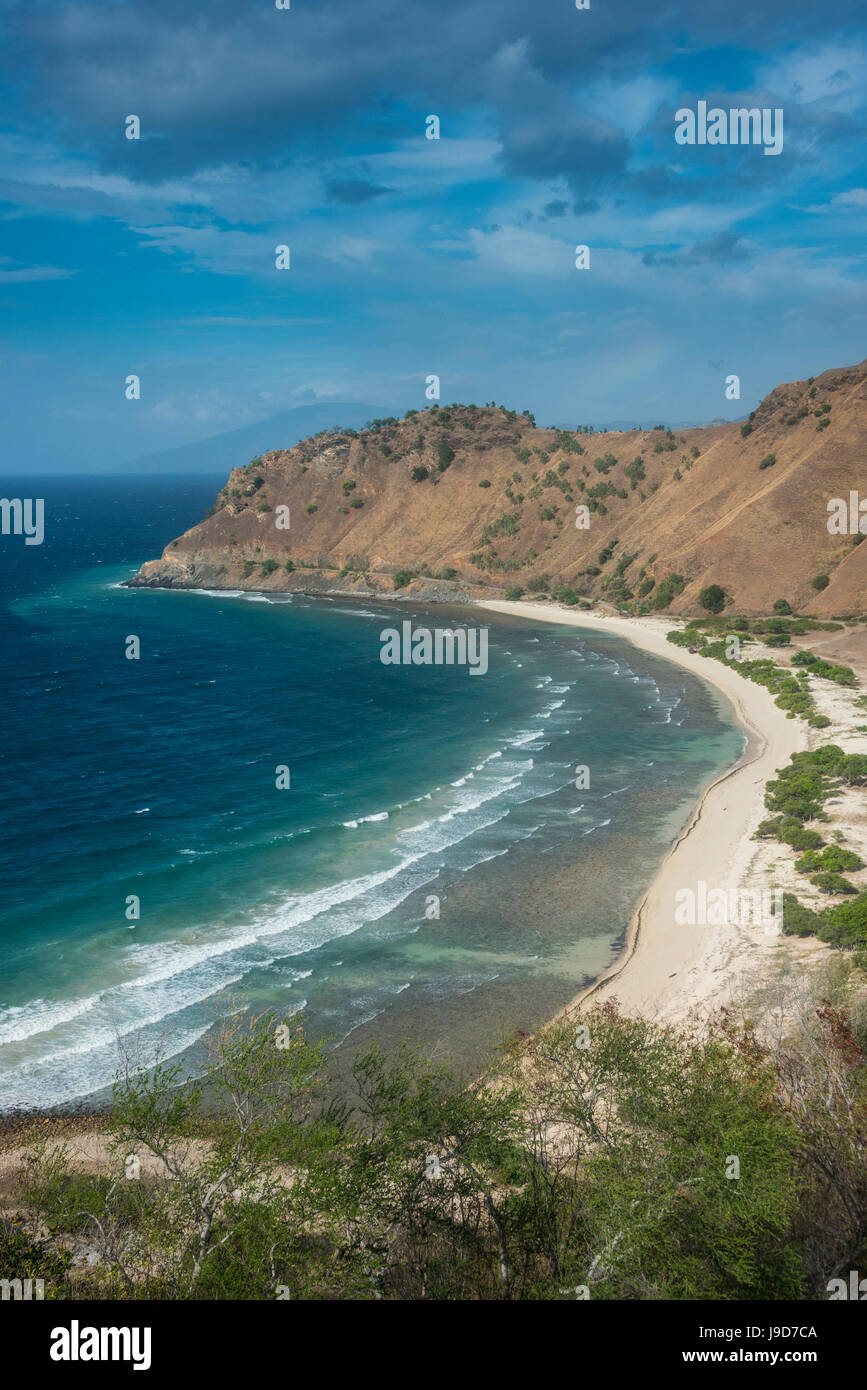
(411,256)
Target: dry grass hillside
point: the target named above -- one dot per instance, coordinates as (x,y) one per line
(471,498)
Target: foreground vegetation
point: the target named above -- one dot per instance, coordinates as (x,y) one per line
(606,1158)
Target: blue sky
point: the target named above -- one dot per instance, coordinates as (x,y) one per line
(410,256)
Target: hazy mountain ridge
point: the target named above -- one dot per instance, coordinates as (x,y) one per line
(229,448)
(478,496)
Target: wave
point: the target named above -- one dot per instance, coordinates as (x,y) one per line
(171,979)
(363,820)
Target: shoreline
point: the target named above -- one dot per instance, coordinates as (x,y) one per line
(661,970)
(666,971)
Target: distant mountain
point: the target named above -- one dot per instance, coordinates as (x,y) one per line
(222,452)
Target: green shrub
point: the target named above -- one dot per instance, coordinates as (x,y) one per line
(767,462)
(268,566)
(832,883)
(419,473)
(602,465)
(485,482)
(311,508)
(782,606)
(798,838)
(402,578)
(666,589)
(797,919)
(445,454)
(820,581)
(713,598)
(833,859)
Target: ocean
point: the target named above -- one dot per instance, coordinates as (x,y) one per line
(432,872)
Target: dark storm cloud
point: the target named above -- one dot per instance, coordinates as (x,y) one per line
(222,83)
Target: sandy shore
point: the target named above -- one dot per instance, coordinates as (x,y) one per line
(667,971)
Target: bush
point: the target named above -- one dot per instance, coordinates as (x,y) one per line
(778,639)
(798,838)
(268,566)
(513,593)
(833,883)
(485,482)
(782,606)
(419,473)
(602,465)
(311,508)
(833,859)
(445,454)
(356,502)
(22,1257)
(288,567)
(667,588)
(820,581)
(713,598)
(402,578)
(797,919)
(767,462)
(789,831)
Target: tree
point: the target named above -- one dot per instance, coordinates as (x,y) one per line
(713,598)
(205,1213)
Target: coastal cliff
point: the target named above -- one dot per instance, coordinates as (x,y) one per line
(456,502)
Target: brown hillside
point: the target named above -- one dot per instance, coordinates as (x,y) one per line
(704,509)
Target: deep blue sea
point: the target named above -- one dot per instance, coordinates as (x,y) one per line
(431,873)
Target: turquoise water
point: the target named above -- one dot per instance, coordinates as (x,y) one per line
(156,778)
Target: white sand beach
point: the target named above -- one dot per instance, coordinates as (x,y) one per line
(669,971)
